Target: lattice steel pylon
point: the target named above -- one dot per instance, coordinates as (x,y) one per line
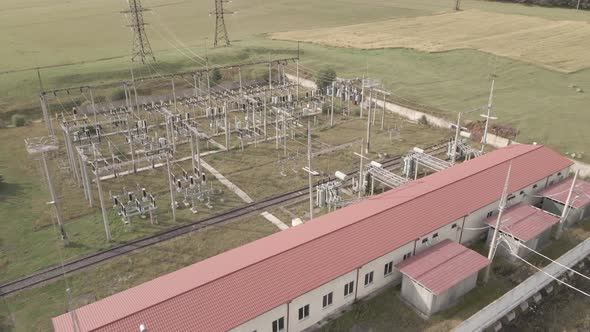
(141,45)
(221,36)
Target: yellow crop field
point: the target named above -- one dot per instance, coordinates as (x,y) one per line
(557,45)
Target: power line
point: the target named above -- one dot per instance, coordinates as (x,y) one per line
(141,45)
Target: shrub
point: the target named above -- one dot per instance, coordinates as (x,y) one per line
(18,120)
(118,94)
(423,120)
(216,75)
(325,77)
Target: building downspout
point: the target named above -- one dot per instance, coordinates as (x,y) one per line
(462,227)
(287,323)
(415,244)
(356,286)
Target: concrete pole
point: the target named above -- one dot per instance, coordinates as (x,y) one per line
(566,208)
(131,147)
(240,74)
(55,201)
(277,131)
(360,193)
(134,89)
(484,138)
(309,169)
(578,6)
(383,113)
(368,147)
(284,134)
(455,142)
(93,105)
(192,141)
(457,5)
(362,96)
(332,107)
(269,74)
(265,135)
(501,209)
(127,102)
(174,95)
(87,181)
(297,87)
(46,116)
(195,83)
(105,218)
(197,143)
(226,125)
(171,184)
(69,147)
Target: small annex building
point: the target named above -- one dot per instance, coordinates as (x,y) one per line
(522,224)
(555,196)
(436,278)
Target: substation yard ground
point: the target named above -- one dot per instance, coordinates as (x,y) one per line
(29,242)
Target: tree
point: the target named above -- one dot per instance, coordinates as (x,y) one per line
(216,75)
(325,77)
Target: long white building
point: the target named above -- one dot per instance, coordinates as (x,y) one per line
(293,279)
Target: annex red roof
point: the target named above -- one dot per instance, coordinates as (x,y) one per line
(559,191)
(442,266)
(524,221)
(229,289)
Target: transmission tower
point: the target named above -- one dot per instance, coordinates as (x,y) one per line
(221,36)
(141,44)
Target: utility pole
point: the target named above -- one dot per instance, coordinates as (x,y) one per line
(332,106)
(171,184)
(221,37)
(54,201)
(362,158)
(565,211)
(141,49)
(369,124)
(488,116)
(105,218)
(42,145)
(578,6)
(309,168)
(457,5)
(501,209)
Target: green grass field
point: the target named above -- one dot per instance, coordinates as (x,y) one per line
(90,36)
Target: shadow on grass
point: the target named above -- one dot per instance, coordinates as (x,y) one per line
(11,190)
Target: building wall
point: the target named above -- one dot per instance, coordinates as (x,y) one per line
(378,266)
(418,296)
(450,296)
(315,301)
(574,215)
(263,323)
(314,298)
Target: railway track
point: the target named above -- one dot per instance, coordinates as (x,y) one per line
(53,272)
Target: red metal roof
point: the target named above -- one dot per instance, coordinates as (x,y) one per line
(442,266)
(559,191)
(524,221)
(229,289)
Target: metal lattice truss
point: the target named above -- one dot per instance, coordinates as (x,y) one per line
(467,151)
(386,177)
(428,161)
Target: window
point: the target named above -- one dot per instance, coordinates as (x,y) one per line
(388,269)
(511,197)
(304,312)
(434,236)
(278,325)
(535,187)
(558,174)
(522,192)
(453,226)
(349,288)
(408,255)
(424,240)
(369,278)
(550,183)
(327,300)
(490,214)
